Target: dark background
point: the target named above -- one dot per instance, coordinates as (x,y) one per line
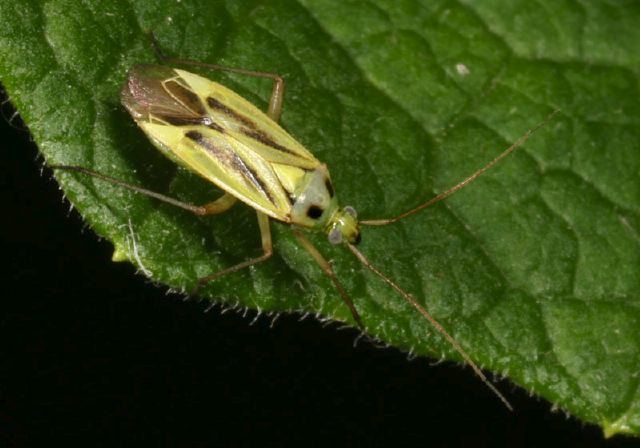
(91,354)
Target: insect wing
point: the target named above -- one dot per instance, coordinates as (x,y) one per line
(214,132)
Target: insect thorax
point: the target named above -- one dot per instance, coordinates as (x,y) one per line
(315,201)
(316,206)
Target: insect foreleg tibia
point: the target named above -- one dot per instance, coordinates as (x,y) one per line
(413,302)
(267,247)
(218,206)
(328,270)
(277,92)
(465,182)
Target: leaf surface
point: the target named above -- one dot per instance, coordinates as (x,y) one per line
(534,268)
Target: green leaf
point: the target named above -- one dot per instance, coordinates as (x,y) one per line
(534,268)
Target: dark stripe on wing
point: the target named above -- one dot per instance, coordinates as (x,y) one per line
(217,105)
(192,121)
(263,138)
(250,129)
(185,96)
(233,161)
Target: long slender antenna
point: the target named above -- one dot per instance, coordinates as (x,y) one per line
(464,183)
(412,301)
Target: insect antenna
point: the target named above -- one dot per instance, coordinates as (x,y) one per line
(465,182)
(413,302)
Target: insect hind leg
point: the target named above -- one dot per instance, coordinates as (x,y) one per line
(277,92)
(220,205)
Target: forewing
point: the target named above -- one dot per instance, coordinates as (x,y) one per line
(249,125)
(216,133)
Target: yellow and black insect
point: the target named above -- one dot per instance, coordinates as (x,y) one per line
(212,131)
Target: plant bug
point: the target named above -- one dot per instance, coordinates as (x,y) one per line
(212,131)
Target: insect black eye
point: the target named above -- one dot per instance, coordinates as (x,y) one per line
(314,212)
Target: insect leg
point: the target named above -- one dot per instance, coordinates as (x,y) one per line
(465,182)
(218,206)
(267,247)
(277,93)
(328,270)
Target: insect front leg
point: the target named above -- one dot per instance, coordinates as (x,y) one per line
(328,270)
(267,248)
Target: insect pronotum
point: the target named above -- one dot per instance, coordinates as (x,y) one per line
(212,131)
